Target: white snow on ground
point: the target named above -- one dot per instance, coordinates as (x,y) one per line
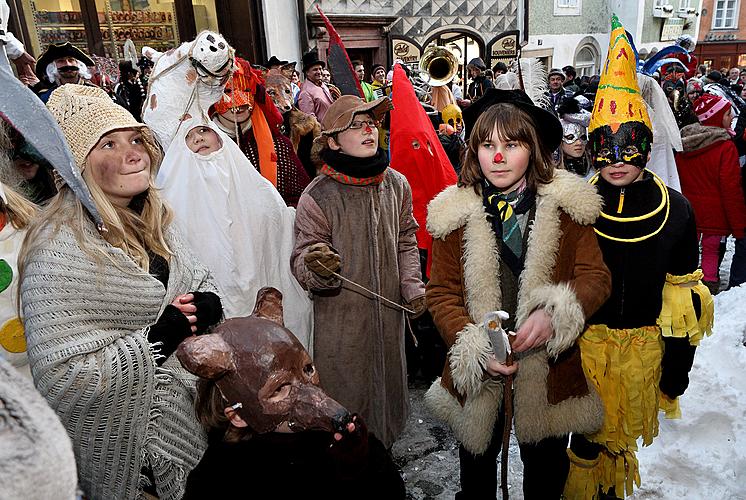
(703,455)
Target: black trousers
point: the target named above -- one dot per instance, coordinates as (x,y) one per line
(545,468)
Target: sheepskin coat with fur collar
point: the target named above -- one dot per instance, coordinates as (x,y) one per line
(564,273)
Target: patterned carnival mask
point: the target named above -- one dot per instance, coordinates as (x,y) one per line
(630,144)
(572,132)
(620,130)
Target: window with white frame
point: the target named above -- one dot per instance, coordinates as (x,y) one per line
(659,3)
(726,14)
(567,7)
(587,61)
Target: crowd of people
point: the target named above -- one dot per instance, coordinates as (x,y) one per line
(231,280)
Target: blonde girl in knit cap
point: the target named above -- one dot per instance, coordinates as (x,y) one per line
(105,310)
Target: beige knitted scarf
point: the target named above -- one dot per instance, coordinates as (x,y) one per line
(86,327)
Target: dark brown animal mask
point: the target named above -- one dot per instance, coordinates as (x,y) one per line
(257,362)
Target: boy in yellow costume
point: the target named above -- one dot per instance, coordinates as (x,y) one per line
(640,345)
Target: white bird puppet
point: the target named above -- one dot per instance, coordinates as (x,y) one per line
(184,83)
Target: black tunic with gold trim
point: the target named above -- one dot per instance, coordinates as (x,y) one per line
(639,347)
(639,267)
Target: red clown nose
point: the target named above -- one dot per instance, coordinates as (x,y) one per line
(498,158)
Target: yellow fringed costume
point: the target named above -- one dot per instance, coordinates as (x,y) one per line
(678,317)
(625,366)
(639,347)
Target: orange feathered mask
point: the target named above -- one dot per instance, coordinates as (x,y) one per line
(246,88)
(238,93)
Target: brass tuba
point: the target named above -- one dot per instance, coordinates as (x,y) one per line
(438,66)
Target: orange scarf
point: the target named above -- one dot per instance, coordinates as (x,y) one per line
(265,145)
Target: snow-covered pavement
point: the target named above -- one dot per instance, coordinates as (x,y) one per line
(703,455)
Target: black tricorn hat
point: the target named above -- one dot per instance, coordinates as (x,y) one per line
(273,61)
(312,59)
(548,126)
(57,50)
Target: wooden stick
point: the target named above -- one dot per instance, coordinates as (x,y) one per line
(391,302)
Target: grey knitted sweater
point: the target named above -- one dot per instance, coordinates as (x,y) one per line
(86,324)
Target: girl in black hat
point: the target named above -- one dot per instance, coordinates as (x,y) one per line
(515,235)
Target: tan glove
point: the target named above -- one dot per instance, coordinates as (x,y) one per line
(418,305)
(318,256)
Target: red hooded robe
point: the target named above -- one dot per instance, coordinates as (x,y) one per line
(416,153)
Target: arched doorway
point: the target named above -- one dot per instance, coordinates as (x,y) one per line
(464,44)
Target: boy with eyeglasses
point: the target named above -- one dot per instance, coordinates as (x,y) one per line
(356,253)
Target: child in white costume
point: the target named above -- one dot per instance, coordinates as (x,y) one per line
(236,223)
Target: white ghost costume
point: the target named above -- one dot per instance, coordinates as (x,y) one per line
(237,224)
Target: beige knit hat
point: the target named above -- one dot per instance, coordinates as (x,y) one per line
(85,114)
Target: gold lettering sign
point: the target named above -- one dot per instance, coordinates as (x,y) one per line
(504,46)
(406,51)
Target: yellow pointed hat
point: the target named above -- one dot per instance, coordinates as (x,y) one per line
(618,99)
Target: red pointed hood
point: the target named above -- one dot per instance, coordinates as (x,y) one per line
(416,152)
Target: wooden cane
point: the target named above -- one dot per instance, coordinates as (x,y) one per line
(508,406)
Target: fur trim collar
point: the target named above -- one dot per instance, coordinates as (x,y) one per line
(473,423)
(302,122)
(697,136)
(452,208)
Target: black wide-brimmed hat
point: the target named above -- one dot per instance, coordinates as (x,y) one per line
(548,126)
(56,51)
(273,61)
(312,59)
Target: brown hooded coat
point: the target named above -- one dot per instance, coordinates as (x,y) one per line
(564,274)
(358,343)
